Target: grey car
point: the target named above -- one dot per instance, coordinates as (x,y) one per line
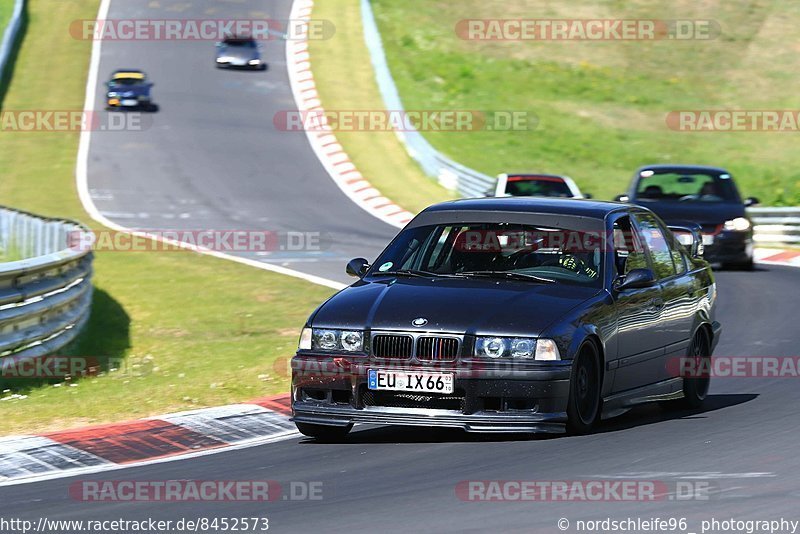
(240,52)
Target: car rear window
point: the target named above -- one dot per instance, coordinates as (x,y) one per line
(540,187)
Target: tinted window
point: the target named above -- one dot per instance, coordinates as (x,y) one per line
(686,187)
(540,187)
(629,251)
(657,244)
(560,254)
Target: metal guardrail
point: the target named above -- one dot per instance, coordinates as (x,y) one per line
(777,226)
(45,297)
(10,36)
(450,174)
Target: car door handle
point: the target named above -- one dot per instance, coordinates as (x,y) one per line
(655,305)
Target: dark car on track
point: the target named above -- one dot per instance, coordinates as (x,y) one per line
(704,195)
(240,52)
(510,315)
(129,89)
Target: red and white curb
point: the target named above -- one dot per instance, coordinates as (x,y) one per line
(777,256)
(323,142)
(145,441)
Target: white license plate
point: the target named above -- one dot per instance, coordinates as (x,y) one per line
(410,381)
(130,102)
(708,239)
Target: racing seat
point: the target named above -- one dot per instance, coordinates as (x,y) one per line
(653,191)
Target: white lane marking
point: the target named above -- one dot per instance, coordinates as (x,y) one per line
(329,152)
(82,179)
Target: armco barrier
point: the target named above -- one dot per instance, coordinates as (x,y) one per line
(451,175)
(45,298)
(777,226)
(772,225)
(10,36)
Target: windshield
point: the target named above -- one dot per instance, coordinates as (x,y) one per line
(671,186)
(125,82)
(539,187)
(241,43)
(497,250)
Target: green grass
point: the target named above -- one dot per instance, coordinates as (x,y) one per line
(346,81)
(602,105)
(196,331)
(6,9)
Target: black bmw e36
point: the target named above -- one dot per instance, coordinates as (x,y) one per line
(511,315)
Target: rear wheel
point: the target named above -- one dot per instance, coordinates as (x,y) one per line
(695,388)
(324,433)
(746,265)
(583,408)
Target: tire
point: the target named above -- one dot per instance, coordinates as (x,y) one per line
(324,433)
(695,389)
(746,265)
(584,405)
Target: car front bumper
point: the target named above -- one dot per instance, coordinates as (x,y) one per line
(486,398)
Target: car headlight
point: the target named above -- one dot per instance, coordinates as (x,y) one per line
(739,224)
(254,62)
(521,348)
(332,340)
(113,94)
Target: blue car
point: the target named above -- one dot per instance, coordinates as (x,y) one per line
(129,89)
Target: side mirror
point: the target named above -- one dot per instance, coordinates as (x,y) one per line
(751,201)
(689,237)
(636,279)
(587,195)
(357,267)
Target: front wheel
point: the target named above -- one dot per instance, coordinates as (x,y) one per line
(324,433)
(583,408)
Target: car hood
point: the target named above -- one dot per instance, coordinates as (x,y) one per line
(451,305)
(704,213)
(137,90)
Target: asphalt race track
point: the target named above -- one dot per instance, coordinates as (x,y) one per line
(210,158)
(212,154)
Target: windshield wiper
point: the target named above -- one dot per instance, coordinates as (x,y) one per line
(408,272)
(508,274)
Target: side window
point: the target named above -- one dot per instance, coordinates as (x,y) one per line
(628,248)
(678,254)
(656,242)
